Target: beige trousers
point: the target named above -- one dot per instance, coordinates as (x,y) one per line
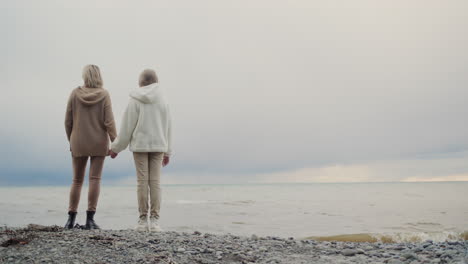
(79,169)
(148,169)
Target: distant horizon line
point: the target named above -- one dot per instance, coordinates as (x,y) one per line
(247,183)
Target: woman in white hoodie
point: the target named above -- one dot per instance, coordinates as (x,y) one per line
(146,126)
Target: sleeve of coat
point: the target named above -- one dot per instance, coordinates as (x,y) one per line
(69,117)
(109,121)
(129,121)
(169,133)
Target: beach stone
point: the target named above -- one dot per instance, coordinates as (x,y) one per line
(349,245)
(426,244)
(450,252)
(394,261)
(199,249)
(385,255)
(181,249)
(368,248)
(399,247)
(418,249)
(254,237)
(349,252)
(409,255)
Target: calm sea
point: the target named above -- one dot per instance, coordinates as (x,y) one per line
(346,211)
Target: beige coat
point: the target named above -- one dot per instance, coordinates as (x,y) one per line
(89,122)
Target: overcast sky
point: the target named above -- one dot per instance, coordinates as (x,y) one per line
(261,91)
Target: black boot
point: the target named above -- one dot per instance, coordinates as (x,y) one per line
(71,220)
(90,224)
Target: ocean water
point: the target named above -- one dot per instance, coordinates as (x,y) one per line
(388,212)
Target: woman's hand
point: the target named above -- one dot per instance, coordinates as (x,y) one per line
(165,161)
(112,154)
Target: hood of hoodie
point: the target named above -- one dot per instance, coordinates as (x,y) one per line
(90,96)
(146,94)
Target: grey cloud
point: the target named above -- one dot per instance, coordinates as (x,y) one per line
(258,86)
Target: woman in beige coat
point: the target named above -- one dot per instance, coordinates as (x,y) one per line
(89,124)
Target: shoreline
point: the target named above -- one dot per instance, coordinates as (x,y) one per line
(53,244)
(228,184)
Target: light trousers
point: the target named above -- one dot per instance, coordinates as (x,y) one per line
(95,171)
(148,169)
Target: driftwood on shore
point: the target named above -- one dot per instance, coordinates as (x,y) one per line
(53,244)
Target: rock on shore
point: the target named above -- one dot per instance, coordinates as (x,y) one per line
(41,244)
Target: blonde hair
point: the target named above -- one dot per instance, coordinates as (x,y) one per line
(92,76)
(147,77)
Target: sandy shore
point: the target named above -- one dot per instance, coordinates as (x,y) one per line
(39,244)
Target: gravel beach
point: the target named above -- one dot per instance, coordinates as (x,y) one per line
(52,244)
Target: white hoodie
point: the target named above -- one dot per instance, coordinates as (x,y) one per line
(146,123)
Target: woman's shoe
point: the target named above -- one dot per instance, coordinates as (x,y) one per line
(154,225)
(142,224)
(90,224)
(71,220)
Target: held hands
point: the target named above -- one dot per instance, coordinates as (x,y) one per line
(112,154)
(165,161)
